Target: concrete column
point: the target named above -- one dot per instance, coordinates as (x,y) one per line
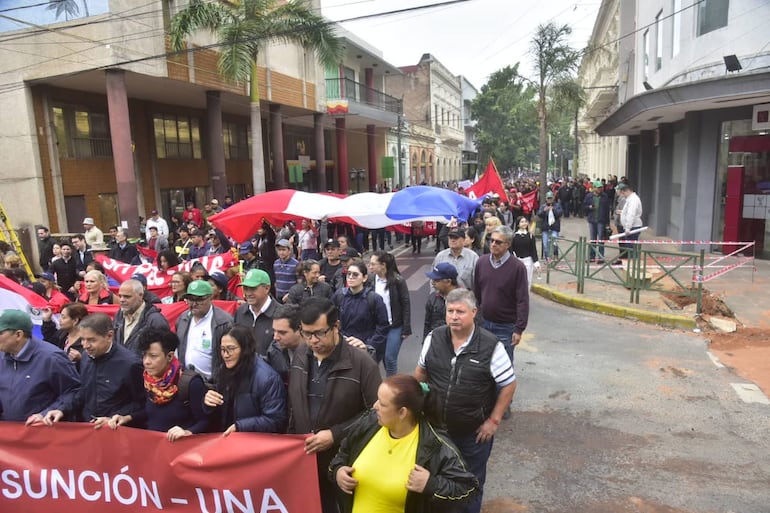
(342,155)
(216,145)
(371,153)
(369,82)
(276,145)
(123,158)
(320,152)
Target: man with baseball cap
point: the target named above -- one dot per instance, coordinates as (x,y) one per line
(248,253)
(35,376)
(200,331)
(443,279)
(284,269)
(159,223)
(462,259)
(550,220)
(331,262)
(259,309)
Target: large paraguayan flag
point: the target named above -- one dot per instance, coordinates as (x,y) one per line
(370,210)
(16,297)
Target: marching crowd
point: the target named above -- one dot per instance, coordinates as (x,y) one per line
(296,351)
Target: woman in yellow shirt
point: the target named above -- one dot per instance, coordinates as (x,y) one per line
(394,461)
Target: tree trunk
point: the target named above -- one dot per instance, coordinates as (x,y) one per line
(257,149)
(543,149)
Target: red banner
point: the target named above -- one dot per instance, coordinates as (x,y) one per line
(158,281)
(490,182)
(72,467)
(171,311)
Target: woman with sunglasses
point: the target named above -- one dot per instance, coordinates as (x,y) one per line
(363,315)
(250,395)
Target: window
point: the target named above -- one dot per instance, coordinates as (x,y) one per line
(676,27)
(236,141)
(646,57)
(82,134)
(658,41)
(177,137)
(712,15)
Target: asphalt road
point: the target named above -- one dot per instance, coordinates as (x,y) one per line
(613,416)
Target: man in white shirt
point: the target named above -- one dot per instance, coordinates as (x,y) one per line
(159,223)
(200,331)
(630,216)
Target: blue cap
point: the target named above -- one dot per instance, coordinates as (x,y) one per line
(246,247)
(443,271)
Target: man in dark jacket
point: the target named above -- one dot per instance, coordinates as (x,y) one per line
(124,250)
(286,340)
(200,331)
(330,386)
(550,220)
(471,414)
(443,279)
(111,375)
(258,311)
(596,206)
(65,269)
(45,247)
(35,376)
(135,315)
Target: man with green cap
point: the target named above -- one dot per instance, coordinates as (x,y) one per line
(35,376)
(596,207)
(200,331)
(259,309)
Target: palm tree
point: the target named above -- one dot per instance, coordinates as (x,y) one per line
(555,62)
(244,29)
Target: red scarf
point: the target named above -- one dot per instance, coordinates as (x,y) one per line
(163,389)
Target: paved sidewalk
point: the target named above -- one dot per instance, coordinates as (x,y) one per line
(745,290)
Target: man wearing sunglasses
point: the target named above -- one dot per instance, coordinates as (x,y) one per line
(200,331)
(330,385)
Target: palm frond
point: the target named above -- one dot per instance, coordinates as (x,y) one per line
(196,16)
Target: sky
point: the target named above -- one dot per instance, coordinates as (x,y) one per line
(474,38)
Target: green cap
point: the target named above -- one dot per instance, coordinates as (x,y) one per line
(255,278)
(199,288)
(597,184)
(15,320)
(548,195)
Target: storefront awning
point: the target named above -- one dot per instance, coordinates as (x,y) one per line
(647,110)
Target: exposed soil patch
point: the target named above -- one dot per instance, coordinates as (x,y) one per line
(747,352)
(711,304)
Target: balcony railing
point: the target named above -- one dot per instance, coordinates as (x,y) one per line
(346,89)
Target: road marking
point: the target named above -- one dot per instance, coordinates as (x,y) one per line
(418,279)
(523,346)
(750,393)
(715,360)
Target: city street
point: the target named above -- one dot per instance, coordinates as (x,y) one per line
(612,416)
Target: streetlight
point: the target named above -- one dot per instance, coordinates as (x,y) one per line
(357,174)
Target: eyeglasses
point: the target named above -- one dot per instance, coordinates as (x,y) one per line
(229,350)
(353,274)
(319,334)
(497,241)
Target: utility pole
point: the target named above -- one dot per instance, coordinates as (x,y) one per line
(398,143)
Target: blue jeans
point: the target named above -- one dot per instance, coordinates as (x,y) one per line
(392,347)
(596,233)
(475,456)
(504,333)
(550,237)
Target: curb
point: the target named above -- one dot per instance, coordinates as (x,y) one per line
(583,303)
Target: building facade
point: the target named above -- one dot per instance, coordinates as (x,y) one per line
(102,120)
(598,75)
(693,96)
(432,100)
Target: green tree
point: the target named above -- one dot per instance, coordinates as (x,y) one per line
(555,64)
(244,29)
(506,119)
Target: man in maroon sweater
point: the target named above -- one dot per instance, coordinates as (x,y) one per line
(501,290)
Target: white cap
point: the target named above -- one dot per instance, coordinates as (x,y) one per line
(88,220)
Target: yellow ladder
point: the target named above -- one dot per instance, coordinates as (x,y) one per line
(8,234)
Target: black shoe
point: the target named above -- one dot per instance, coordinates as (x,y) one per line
(599,260)
(618,263)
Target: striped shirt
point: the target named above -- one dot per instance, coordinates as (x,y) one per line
(285,276)
(500,366)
